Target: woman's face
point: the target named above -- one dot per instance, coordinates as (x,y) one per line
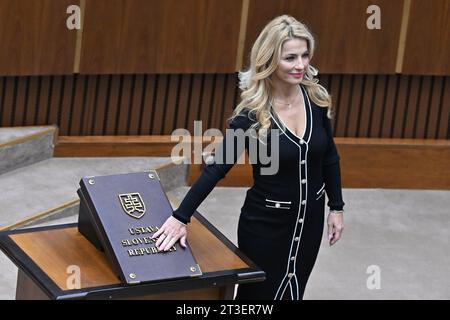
(293,61)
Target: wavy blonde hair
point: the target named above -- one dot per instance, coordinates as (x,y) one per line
(255,82)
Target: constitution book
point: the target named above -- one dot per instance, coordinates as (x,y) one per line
(119,214)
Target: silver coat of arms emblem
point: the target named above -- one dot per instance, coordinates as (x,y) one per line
(132,204)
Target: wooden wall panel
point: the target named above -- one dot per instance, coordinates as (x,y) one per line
(152,36)
(365,106)
(382,161)
(344,44)
(34,37)
(427,45)
(386,163)
(192,36)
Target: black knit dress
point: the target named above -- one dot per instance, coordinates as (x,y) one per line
(282,219)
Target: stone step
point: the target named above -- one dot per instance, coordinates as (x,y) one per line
(23,146)
(46,191)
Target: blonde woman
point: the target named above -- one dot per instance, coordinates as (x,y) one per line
(282,218)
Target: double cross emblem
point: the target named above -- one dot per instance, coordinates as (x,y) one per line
(132,204)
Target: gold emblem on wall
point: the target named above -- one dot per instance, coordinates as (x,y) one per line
(132,204)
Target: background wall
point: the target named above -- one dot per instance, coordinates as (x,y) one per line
(375,106)
(140,67)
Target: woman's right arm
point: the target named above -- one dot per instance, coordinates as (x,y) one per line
(175,227)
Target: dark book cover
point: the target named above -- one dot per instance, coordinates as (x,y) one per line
(120,214)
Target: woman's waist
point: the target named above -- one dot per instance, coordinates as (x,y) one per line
(283,196)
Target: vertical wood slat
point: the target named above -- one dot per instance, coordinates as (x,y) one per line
(52,115)
(163,83)
(183,102)
(135,105)
(194,102)
(342,107)
(216,105)
(100,106)
(126,97)
(148,104)
(433,111)
(112,105)
(408,126)
(354,107)
(7,100)
(443,129)
(390,94)
(77,99)
(170,107)
(378,106)
(206,101)
(88,105)
(21,102)
(423,107)
(376,119)
(2,99)
(34,93)
(43,103)
(229,99)
(66,95)
(400,107)
(366,106)
(334,90)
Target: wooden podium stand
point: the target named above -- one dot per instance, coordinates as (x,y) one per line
(47,256)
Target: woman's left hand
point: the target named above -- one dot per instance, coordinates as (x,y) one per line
(335,224)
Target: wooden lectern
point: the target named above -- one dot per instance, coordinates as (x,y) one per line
(48,259)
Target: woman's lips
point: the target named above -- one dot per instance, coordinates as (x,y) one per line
(297,75)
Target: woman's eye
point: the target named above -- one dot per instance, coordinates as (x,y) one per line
(306,55)
(290,58)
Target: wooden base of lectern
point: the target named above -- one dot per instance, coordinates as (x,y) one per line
(28,290)
(57,262)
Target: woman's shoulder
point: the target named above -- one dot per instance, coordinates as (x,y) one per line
(243,120)
(318,110)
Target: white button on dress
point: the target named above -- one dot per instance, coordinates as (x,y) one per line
(209,160)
